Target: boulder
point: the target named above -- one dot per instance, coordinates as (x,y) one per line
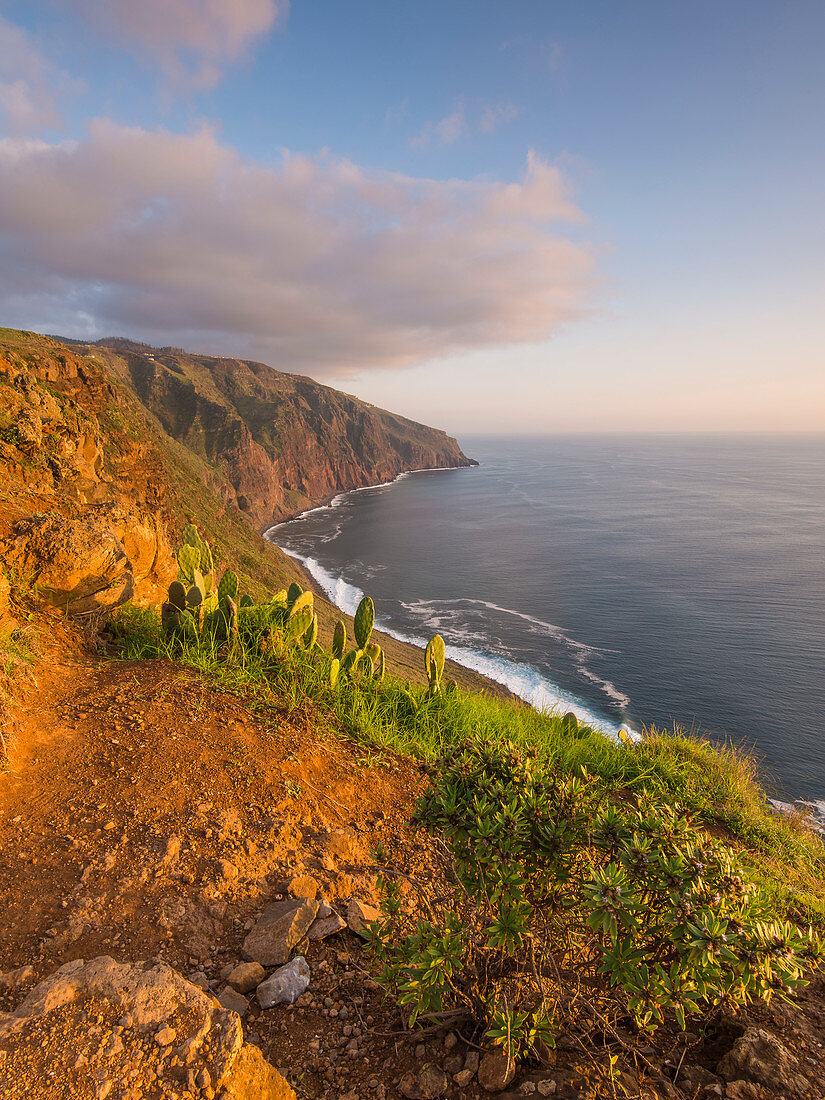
(286,985)
(153,1008)
(280,927)
(322,927)
(496,1071)
(246,976)
(760,1057)
(76,565)
(234,1001)
(359,915)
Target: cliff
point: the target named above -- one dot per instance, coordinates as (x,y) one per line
(274,443)
(107,452)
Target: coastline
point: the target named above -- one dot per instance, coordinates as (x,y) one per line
(329,501)
(519,681)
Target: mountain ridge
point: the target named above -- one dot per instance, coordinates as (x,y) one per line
(276,443)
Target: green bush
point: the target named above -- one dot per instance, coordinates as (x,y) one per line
(558,886)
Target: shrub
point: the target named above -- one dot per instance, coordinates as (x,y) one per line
(559,887)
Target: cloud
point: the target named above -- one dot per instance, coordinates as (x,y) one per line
(499,115)
(314,264)
(456,124)
(29,85)
(191,40)
(446,132)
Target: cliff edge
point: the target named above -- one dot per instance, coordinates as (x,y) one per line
(275,443)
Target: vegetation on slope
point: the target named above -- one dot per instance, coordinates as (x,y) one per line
(572,855)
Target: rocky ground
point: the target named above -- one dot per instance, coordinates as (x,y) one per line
(180,832)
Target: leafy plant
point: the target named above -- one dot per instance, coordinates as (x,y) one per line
(554,882)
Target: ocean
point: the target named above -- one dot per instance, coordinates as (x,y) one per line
(637,580)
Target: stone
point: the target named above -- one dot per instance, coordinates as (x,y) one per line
(759,1056)
(252,1078)
(463,1077)
(228,871)
(359,915)
(173,845)
(286,985)
(205,1037)
(246,976)
(742,1090)
(11,979)
(77,565)
(280,927)
(433,1082)
(496,1070)
(408,1086)
(304,886)
(546,1087)
(234,1001)
(200,980)
(322,927)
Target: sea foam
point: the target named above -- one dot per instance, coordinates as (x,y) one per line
(524,681)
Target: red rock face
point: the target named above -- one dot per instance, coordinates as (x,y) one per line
(281,442)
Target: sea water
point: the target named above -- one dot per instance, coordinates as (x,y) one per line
(637,580)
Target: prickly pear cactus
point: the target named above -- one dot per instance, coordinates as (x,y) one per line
(246,600)
(293,592)
(304,600)
(339,640)
(297,623)
(310,636)
(190,536)
(177,595)
(380,667)
(229,585)
(334,670)
(189,558)
(350,661)
(434,656)
(364,621)
(570,723)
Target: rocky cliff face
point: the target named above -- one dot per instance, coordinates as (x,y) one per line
(276,443)
(83,515)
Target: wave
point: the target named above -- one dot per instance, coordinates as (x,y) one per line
(346,597)
(582,652)
(526,682)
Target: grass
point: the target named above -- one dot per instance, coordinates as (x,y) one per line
(719,785)
(16,654)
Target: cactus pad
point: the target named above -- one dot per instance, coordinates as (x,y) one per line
(434,656)
(228,585)
(364,620)
(339,640)
(189,558)
(177,595)
(293,592)
(334,669)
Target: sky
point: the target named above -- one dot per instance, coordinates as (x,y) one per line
(489,215)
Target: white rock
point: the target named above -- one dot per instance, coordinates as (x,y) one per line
(286,985)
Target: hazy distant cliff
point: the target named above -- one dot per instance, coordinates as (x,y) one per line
(277,442)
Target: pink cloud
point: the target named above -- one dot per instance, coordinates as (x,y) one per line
(316,265)
(191,40)
(499,115)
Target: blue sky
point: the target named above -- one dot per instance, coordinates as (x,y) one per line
(487,215)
